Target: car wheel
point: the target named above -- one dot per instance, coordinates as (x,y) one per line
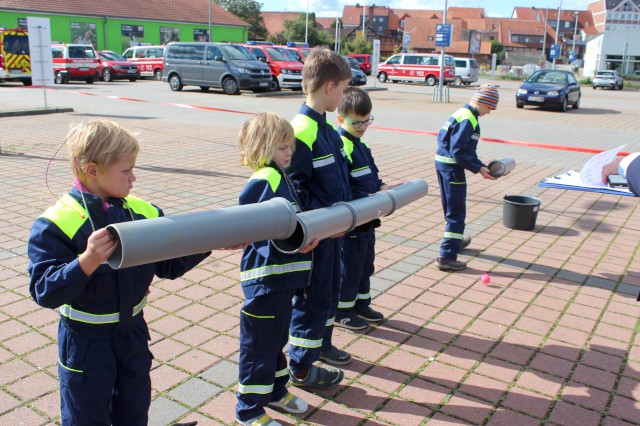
(59,78)
(615,86)
(274,86)
(621,86)
(577,104)
(382,77)
(204,88)
(175,83)
(564,105)
(157,74)
(431,80)
(594,87)
(106,75)
(89,80)
(132,79)
(27,82)
(519,105)
(458,81)
(230,86)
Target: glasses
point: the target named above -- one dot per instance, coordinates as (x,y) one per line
(360,124)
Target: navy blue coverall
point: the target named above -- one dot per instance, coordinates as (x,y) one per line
(269,279)
(104,358)
(319,167)
(358,250)
(456,152)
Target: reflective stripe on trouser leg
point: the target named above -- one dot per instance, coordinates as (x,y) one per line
(357,267)
(453,192)
(309,332)
(263,373)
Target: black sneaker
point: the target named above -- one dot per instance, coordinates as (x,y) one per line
(450,264)
(335,356)
(318,377)
(349,320)
(465,242)
(369,314)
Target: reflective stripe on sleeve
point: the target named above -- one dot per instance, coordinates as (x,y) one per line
(361,172)
(443,159)
(323,161)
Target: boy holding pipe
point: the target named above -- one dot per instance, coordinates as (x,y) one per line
(104,360)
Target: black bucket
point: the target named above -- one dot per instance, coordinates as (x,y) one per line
(520,212)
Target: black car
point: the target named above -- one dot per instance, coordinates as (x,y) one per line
(358,78)
(550,88)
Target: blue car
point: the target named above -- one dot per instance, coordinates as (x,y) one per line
(550,88)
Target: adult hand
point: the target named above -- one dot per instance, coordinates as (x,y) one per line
(388,186)
(610,169)
(313,244)
(486,174)
(100,246)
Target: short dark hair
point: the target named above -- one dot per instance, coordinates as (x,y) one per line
(322,66)
(355,101)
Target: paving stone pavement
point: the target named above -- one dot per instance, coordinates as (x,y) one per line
(553,339)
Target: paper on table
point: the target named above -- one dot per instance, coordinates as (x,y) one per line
(591,173)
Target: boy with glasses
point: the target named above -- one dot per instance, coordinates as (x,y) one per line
(358,250)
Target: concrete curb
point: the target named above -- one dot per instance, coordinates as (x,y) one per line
(39,111)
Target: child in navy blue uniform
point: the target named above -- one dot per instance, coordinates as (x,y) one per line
(319,167)
(358,246)
(269,278)
(104,359)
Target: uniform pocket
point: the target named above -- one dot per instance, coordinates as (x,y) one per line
(257,324)
(72,353)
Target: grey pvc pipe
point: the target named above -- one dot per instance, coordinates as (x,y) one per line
(168,237)
(499,168)
(345,216)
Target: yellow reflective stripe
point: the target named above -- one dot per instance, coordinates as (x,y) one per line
(265,271)
(330,322)
(269,174)
(258,316)
(347,145)
(305,129)
(67,214)
(362,296)
(453,235)
(69,368)
(345,305)
(361,172)
(443,159)
(141,207)
(323,161)
(465,114)
(259,389)
(305,343)
(89,318)
(457,183)
(283,372)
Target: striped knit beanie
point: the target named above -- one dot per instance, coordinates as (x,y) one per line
(487,94)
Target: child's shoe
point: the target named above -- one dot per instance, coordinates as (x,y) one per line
(450,264)
(263,420)
(291,404)
(335,356)
(350,320)
(318,377)
(369,314)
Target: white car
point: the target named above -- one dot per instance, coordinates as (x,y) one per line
(608,78)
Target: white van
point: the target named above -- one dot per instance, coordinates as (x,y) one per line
(466,71)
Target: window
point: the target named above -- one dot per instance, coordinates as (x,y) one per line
(411,60)
(213,52)
(567,24)
(394,60)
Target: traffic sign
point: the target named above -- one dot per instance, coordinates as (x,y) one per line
(555,51)
(572,55)
(443,35)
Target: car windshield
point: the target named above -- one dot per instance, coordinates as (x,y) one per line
(548,77)
(111,56)
(606,74)
(235,52)
(276,55)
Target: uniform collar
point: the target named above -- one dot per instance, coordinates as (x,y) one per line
(472,109)
(348,135)
(321,119)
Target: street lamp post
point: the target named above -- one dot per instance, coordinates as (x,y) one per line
(364,19)
(306,26)
(337,44)
(209,35)
(441,79)
(553,66)
(575,32)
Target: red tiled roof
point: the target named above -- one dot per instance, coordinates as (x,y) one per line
(274,21)
(326,23)
(191,11)
(465,13)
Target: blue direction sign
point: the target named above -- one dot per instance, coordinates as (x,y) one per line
(443,35)
(554,51)
(572,55)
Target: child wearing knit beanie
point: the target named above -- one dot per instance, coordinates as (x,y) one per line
(456,152)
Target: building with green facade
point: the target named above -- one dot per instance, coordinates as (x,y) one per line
(118,24)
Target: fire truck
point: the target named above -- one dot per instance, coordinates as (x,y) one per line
(15,62)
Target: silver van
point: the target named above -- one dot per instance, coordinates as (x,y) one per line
(228,66)
(466,71)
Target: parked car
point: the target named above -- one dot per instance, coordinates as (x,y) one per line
(417,67)
(608,78)
(550,88)
(228,66)
(149,60)
(113,66)
(365,61)
(466,71)
(287,73)
(358,78)
(74,62)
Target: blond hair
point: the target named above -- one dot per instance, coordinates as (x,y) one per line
(98,141)
(323,66)
(260,136)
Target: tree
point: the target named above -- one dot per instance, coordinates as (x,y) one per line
(357,45)
(278,38)
(295,31)
(498,49)
(249,11)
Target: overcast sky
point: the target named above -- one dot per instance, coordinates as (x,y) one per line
(496,8)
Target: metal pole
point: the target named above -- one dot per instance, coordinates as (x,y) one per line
(42,79)
(441,79)
(364,19)
(335,47)
(575,32)
(553,66)
(544,35)
(306,27)
(209,35)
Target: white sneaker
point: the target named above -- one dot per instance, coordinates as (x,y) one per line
(291,404)
(263,420)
